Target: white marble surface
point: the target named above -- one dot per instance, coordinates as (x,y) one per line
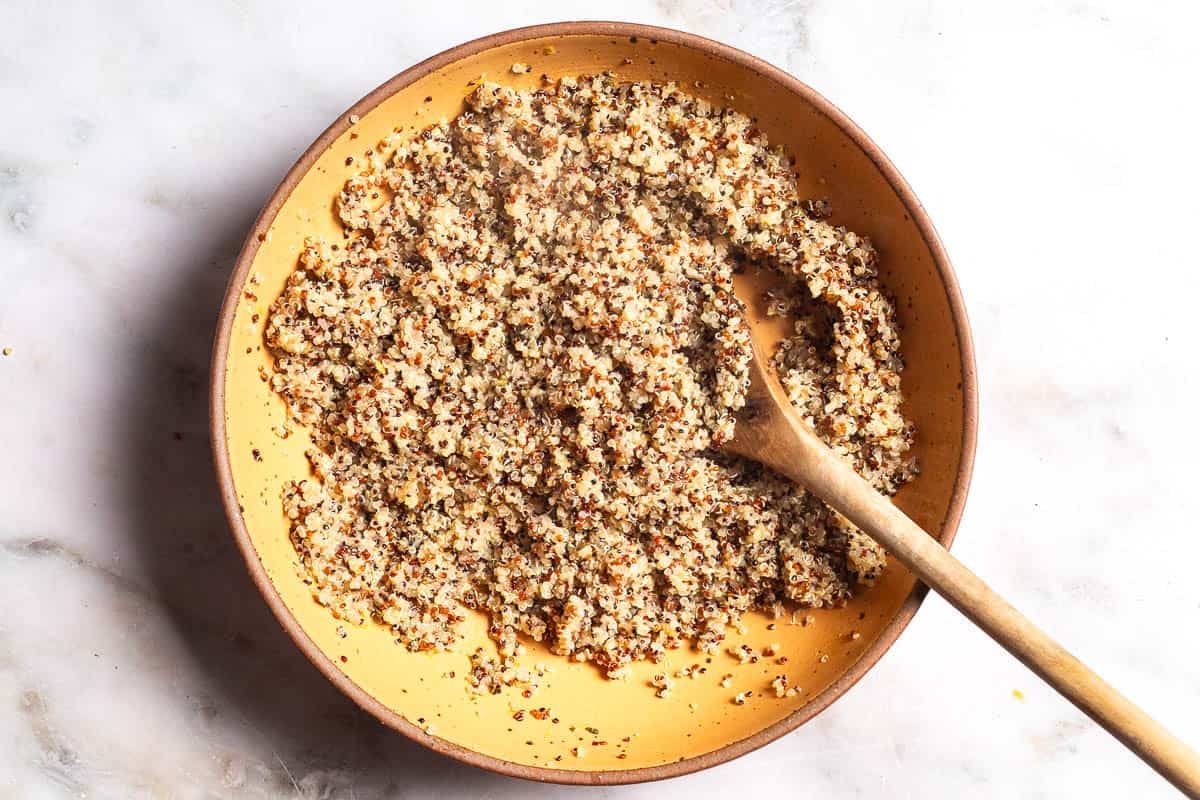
(137,142)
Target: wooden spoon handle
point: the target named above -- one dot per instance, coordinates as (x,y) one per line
(779,438)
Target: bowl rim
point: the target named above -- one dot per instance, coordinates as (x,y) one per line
(221,450)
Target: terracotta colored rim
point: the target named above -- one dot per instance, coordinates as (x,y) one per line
(221,451)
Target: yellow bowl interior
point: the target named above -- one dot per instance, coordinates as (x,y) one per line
(699,716)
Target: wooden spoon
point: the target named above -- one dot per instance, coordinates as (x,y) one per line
(769,430)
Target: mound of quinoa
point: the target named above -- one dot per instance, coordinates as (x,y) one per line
(519,364)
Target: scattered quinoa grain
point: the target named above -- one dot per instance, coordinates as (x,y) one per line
(662,685)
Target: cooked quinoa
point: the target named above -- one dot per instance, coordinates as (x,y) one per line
(518,366)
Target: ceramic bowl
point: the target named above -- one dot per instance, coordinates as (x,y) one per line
(698,725)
